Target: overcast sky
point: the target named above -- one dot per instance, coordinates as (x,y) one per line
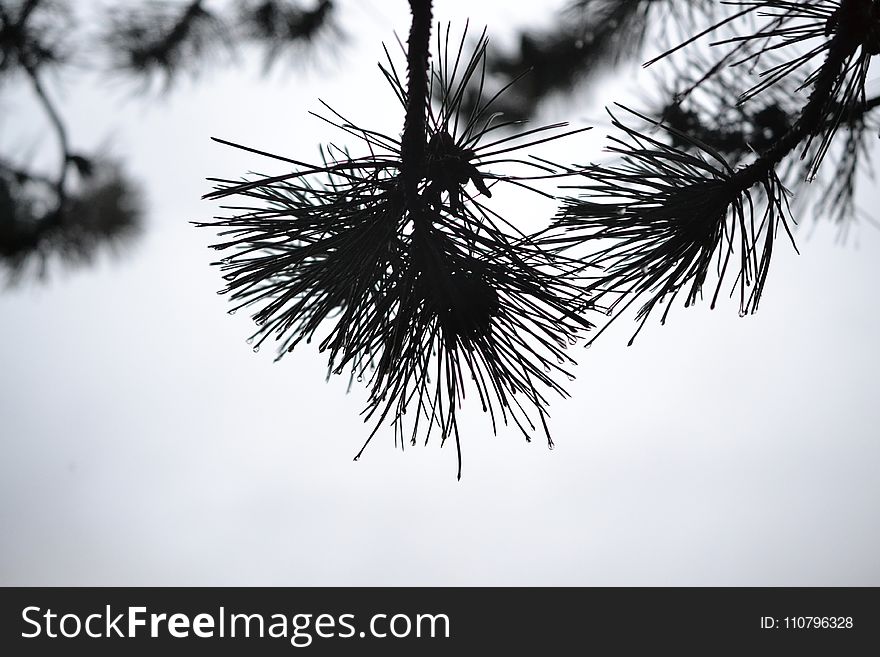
(144,443)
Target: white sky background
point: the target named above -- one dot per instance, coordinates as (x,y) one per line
(145,444)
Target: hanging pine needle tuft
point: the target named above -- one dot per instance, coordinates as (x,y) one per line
(163,38)
(667,219)
(424,292)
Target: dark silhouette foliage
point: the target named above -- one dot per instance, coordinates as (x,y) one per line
(392,253)
(422,283)
(428,291)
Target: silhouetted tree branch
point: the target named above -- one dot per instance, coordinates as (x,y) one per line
(141,39)
(396,256)
(422,284)
(426,290)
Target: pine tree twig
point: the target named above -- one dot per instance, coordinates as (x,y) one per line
(412,149)
(812,118)
(427,292)
(60,133)
(668,212)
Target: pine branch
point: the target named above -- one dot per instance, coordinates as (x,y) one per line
(814,116)
(668,212)
(426,290)
(412,151)
(60,132)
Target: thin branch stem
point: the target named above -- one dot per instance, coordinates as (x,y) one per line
(412,150)
(60,130)
(811,119)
